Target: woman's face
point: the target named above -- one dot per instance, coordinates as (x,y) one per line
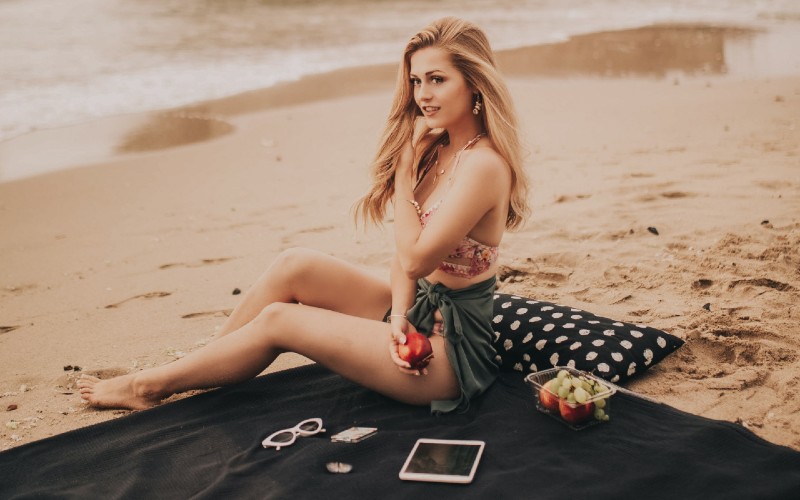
(440,90)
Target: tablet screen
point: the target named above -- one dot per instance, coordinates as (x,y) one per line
(443,460)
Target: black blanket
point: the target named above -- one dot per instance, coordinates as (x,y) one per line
(209,446)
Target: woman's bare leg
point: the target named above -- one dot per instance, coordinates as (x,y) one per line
(356,348)
(317,279)
(303,276)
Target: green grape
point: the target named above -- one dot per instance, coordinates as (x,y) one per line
(586,386)
(600,403)
(562,374)
(600,414)
(571,398)
(563,392)
(580,395)
(576,383)
(566,383)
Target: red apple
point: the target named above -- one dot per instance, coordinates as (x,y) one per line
(575,413)
(417,350)
(546,398)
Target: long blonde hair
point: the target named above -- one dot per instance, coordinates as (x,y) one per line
(472,55)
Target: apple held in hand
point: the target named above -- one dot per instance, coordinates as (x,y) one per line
(417,350)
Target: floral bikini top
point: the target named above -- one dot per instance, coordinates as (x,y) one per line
(480,256)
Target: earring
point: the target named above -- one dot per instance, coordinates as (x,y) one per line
(477,109)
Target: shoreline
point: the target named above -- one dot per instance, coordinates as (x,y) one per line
(676,50)
(132,262)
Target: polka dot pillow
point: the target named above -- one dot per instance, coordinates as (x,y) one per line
(532,335)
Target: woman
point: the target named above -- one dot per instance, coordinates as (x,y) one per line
(449,161)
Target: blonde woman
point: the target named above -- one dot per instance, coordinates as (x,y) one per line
(449,163)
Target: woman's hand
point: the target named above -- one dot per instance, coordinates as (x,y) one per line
(400,327)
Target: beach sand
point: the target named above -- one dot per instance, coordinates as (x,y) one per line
(134,259)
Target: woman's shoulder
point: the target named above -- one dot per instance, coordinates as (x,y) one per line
(484,162)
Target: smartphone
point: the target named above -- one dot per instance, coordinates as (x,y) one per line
(443,461)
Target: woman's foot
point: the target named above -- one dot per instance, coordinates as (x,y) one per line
(117,392)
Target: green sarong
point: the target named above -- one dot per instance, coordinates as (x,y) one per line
(467,326)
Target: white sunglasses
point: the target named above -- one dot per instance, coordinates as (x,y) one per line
(287,437)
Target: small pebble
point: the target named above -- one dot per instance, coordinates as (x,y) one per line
(653,230)
(12,407)
(236,291)
(707,306)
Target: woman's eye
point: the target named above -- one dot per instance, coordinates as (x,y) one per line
(437,79)
(415,82)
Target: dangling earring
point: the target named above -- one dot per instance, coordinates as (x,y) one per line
(477,109)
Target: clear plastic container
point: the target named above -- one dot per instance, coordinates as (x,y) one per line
(595,409)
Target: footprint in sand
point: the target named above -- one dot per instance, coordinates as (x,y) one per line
(221,312)
(6,329)
(151,295)
(765,282)
(204,262)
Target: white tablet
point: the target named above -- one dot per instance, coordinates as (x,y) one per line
(442,461)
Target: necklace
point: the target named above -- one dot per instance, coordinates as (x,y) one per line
(457,156)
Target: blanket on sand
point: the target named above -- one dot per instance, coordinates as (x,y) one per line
(209,446)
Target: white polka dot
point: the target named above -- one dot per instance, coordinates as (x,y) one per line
(568,325)
(584,331)
(496,296)
(548,327)
(505,305)
(515,297)
(496,336)
(617,323)
(591,355)
(593,322)
(527,338)
(603,367)
(562,338)
(547,308)
(598,342)
(514,325)
(575,310)
(636,334)
(507,345)
(632,369)
(615,378)
(540,344)
(576,316)
(571,363)
(661,342)
(554,359)
(626,344)
(616,356)
(533,368)
(526,357)
(574,346)
(557,315)
(534,319)
(498,359)
(641,326)
(522,310)
(518,367)
(648,357)
(608,333)
(531,302)
(498,318)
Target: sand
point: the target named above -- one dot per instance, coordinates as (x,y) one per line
(134,258)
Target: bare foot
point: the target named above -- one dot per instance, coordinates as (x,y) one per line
(117,392)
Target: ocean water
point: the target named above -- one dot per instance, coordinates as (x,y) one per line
(69,61)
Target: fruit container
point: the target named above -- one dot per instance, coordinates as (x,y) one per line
(581,401)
